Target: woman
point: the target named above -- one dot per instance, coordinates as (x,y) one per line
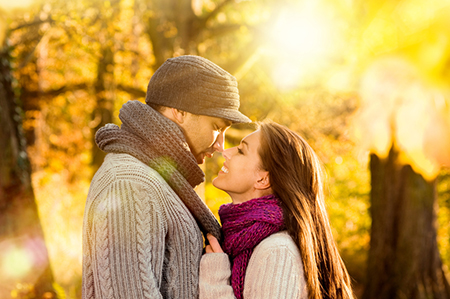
(276,230)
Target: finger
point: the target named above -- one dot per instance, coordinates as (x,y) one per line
(214,243)
(208,249)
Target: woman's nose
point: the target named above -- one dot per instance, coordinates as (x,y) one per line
(227,153)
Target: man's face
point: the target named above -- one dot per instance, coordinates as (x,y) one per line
(204,135)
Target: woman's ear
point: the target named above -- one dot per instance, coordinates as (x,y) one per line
(263,181)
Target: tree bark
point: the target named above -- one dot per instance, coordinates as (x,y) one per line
(20,227)
(103,111)
(404,260)
(104,85)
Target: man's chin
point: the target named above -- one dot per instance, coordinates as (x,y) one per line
(200,159)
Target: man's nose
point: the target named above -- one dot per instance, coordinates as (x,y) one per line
(219,143)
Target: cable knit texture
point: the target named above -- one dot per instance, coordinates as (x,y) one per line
(141,237)
(275,270)
(245,225)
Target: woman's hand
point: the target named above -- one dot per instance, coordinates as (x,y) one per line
(214,246)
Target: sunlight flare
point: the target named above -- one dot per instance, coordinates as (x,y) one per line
(301,34)
(299,42)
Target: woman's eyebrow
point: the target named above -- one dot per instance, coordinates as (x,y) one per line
(245,142)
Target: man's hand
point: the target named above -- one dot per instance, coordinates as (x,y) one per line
(214,246)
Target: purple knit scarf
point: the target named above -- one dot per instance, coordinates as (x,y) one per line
(244,226)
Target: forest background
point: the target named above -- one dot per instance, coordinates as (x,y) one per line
(367,83)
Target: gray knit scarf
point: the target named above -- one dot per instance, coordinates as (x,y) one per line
(158,142)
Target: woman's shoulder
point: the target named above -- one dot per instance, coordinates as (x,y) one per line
(275,269)
(279,239)
(278,243)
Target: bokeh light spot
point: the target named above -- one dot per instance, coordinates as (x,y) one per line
(16,262)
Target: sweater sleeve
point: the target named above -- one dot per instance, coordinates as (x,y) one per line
(275,271)
(214,280)
(124,243)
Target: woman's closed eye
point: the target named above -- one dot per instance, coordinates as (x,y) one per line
(240,151)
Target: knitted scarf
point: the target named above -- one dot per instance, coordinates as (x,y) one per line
(158,142)
(244,226)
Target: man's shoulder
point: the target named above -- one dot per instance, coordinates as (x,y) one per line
(127,169)
(125,166)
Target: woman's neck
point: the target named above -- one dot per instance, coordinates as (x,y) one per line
(240,198)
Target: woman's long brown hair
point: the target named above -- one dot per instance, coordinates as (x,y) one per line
(295,175)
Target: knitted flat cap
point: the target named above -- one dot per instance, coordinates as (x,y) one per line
(196,85)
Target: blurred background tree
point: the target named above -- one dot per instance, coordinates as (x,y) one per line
(404,122)
(23,251)
(413,138)
(365,82)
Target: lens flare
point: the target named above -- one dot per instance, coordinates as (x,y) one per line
(16,262)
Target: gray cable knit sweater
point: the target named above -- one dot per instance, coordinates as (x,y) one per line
(139,239)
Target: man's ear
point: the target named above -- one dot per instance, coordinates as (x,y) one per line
(177,116)
(263,181)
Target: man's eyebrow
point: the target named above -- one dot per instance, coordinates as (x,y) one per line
(224,124)
(227,123)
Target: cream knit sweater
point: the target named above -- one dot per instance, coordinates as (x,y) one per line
(275,271)
(139,239)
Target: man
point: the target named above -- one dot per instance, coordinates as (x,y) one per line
(143,220)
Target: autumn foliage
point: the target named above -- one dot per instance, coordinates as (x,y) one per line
(358,79)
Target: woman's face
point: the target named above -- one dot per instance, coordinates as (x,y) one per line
(241,171)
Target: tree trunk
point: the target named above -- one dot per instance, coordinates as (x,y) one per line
(21,235)
(103,111)
(404,260)
(105,85)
